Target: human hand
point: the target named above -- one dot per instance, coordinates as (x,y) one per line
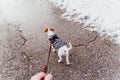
(41,75)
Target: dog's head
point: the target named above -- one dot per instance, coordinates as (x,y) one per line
(49,31)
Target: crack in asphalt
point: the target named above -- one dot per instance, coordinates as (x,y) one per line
(24,39)
(27,59)
(20,34)
(11,58)
(23,54)
(94,39)
(78,45)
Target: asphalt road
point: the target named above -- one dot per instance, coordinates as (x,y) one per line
(24,48)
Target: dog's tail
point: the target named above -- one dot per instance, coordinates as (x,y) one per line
(70,47)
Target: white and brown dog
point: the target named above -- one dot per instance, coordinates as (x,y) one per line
(59,44)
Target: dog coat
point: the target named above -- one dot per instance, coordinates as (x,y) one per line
(57,42)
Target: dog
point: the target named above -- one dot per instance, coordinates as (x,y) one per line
(58,44)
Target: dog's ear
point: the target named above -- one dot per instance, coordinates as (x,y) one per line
(46,30)
(52,29)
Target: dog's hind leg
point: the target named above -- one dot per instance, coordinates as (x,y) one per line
(60,56)
(67,58)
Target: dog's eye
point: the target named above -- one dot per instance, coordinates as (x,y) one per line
(46,30)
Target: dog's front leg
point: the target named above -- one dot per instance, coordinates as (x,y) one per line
(53,49)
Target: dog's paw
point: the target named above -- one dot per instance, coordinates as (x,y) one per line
(68,64)
(59,61)
(54,50)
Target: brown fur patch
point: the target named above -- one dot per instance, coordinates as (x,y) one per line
(46,30)
(52,29)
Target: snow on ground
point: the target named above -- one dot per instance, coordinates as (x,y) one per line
(22,11)
(103,15)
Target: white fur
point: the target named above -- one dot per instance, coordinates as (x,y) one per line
(63,51)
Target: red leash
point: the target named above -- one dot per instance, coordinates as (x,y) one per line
(46,67)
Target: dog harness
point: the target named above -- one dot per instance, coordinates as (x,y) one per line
(57,42)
